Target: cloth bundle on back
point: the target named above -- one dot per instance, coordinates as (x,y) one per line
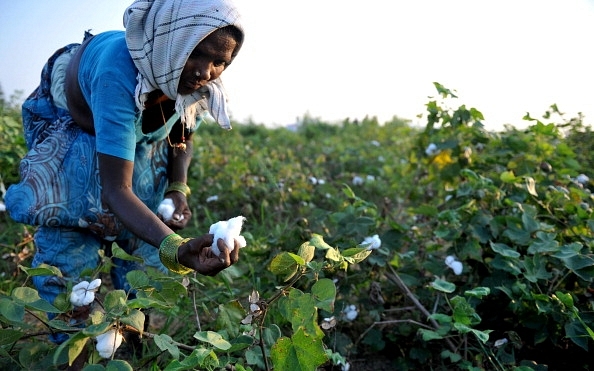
(86,189)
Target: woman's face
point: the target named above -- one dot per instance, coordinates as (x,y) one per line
(207,62)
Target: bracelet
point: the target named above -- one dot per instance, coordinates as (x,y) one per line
(168,253)
(179,187)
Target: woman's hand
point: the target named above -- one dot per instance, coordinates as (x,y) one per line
(182,214)
(197,254)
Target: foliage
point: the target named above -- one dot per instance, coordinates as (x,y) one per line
(514,208)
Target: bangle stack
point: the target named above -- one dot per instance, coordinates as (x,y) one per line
(179,187)
(168,253)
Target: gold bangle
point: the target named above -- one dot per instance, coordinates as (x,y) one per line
(168,253)
(179,187)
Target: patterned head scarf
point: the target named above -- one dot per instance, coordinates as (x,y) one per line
(161,35)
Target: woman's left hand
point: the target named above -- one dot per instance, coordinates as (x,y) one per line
(182,214)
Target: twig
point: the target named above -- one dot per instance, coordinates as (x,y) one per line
(391,322)
(398,281)
(150,335)
(195,307)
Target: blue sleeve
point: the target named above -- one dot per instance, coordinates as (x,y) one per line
(107,77)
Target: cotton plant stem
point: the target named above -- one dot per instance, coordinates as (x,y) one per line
(390,322)
(396,279)
(195,307)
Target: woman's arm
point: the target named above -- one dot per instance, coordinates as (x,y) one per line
(116,182)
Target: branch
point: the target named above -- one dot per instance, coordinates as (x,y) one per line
(394,277)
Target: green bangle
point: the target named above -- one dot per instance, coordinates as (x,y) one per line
(179,187)
(168,253)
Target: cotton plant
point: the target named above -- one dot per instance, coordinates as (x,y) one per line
(454,264)
(108,343)
(372,242)
(229,231)
(83,293)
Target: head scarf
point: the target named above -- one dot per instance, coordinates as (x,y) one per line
(161,35)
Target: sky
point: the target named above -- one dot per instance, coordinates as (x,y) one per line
(338,59)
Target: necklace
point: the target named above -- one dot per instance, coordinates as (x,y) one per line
(181,145)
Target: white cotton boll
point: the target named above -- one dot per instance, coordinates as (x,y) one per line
(351,312)
(457,268)
(357,180)
(94,285)
(108,343)
(454,264)
(228,230)
(431,149)
(81,295)
(582,179)
(212,198)
(241,240)
(2,206)
(449,260)
(166,209)
(372,242)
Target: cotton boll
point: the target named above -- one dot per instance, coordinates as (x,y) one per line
(372,242)
(228,230)
(351,312)
(83,293)
(449,260)
(457,268)
(108,343)
(166,209)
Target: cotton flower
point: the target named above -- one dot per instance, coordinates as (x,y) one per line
(431,150)
(108,343)
(582,179)
(212,198)
(350,312)
(372,242)
(229,231)
(166,209)
(83,293)
(454,264)
(357,180)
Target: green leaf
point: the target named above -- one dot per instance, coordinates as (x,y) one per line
(504,250)
(8,336)
(165,342)
(299,309)
(318,242)
(13,311)
(356,254)
(300,352)
(137,279)
(135,319)
(41,270)
(213,338)
(118,365)
(76,347)
(478,292)
(115,301)
(565,298)
(307,251)
(429,335)
(120,253)
(324,293)
(543,243)
(94,368)
(285,265)
(98,329)
(230,314)
(507,177)
(31,299)
(443,286)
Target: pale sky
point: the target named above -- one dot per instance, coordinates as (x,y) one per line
(334,59)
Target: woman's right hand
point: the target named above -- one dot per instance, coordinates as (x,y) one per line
(197,254)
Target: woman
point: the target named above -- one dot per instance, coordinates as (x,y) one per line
(109,131)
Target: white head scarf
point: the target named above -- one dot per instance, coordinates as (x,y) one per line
(161,35)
